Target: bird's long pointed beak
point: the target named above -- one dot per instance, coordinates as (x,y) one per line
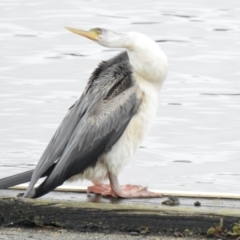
(91,34)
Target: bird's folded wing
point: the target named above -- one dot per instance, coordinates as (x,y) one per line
(95,134)
(93,93)
(109,79)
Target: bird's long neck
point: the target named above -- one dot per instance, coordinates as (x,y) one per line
(147,59)
(145,56)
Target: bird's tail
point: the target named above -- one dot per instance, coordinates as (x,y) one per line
(21,178)
(16,179)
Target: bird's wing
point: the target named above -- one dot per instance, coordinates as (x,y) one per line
(61,138)
(96,133)
(94,91)
(101,124)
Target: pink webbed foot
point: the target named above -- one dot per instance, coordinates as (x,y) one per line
(102,189)
(130,191)
(137,191)
(125,191)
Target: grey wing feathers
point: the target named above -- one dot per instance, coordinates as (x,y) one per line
(91,127)
(16,179)
(105,65)
(57,145)
(21,178)
(91,138)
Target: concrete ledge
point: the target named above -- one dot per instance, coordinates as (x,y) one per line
(80,212)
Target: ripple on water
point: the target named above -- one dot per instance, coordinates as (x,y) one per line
(45,69)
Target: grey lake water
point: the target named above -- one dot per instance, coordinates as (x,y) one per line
(194,144)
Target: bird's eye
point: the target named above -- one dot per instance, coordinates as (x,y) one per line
(97,30)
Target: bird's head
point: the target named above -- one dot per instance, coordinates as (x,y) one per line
(145,56)
(102,36)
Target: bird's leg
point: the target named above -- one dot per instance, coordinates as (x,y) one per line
(128,191)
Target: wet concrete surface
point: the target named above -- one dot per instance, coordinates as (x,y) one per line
(50,234)
(94,217)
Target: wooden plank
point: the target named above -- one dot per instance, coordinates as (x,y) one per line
(84,212)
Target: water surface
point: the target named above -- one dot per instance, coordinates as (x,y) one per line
(194,142)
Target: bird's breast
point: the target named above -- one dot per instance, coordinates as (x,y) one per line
(124,149)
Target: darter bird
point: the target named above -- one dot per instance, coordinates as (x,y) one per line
(103,129)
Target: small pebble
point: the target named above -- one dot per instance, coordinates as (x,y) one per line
(20,195)
(143,232)
(62,231)
(197,204)
(171,201)
(177,234)
(134,233)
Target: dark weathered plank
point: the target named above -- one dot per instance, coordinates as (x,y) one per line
(93,213)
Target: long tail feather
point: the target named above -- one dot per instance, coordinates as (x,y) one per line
(16,179)
(21,178)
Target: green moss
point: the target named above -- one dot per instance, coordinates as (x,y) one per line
(220,231)
(57,224)
(38,220)
(187,232)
